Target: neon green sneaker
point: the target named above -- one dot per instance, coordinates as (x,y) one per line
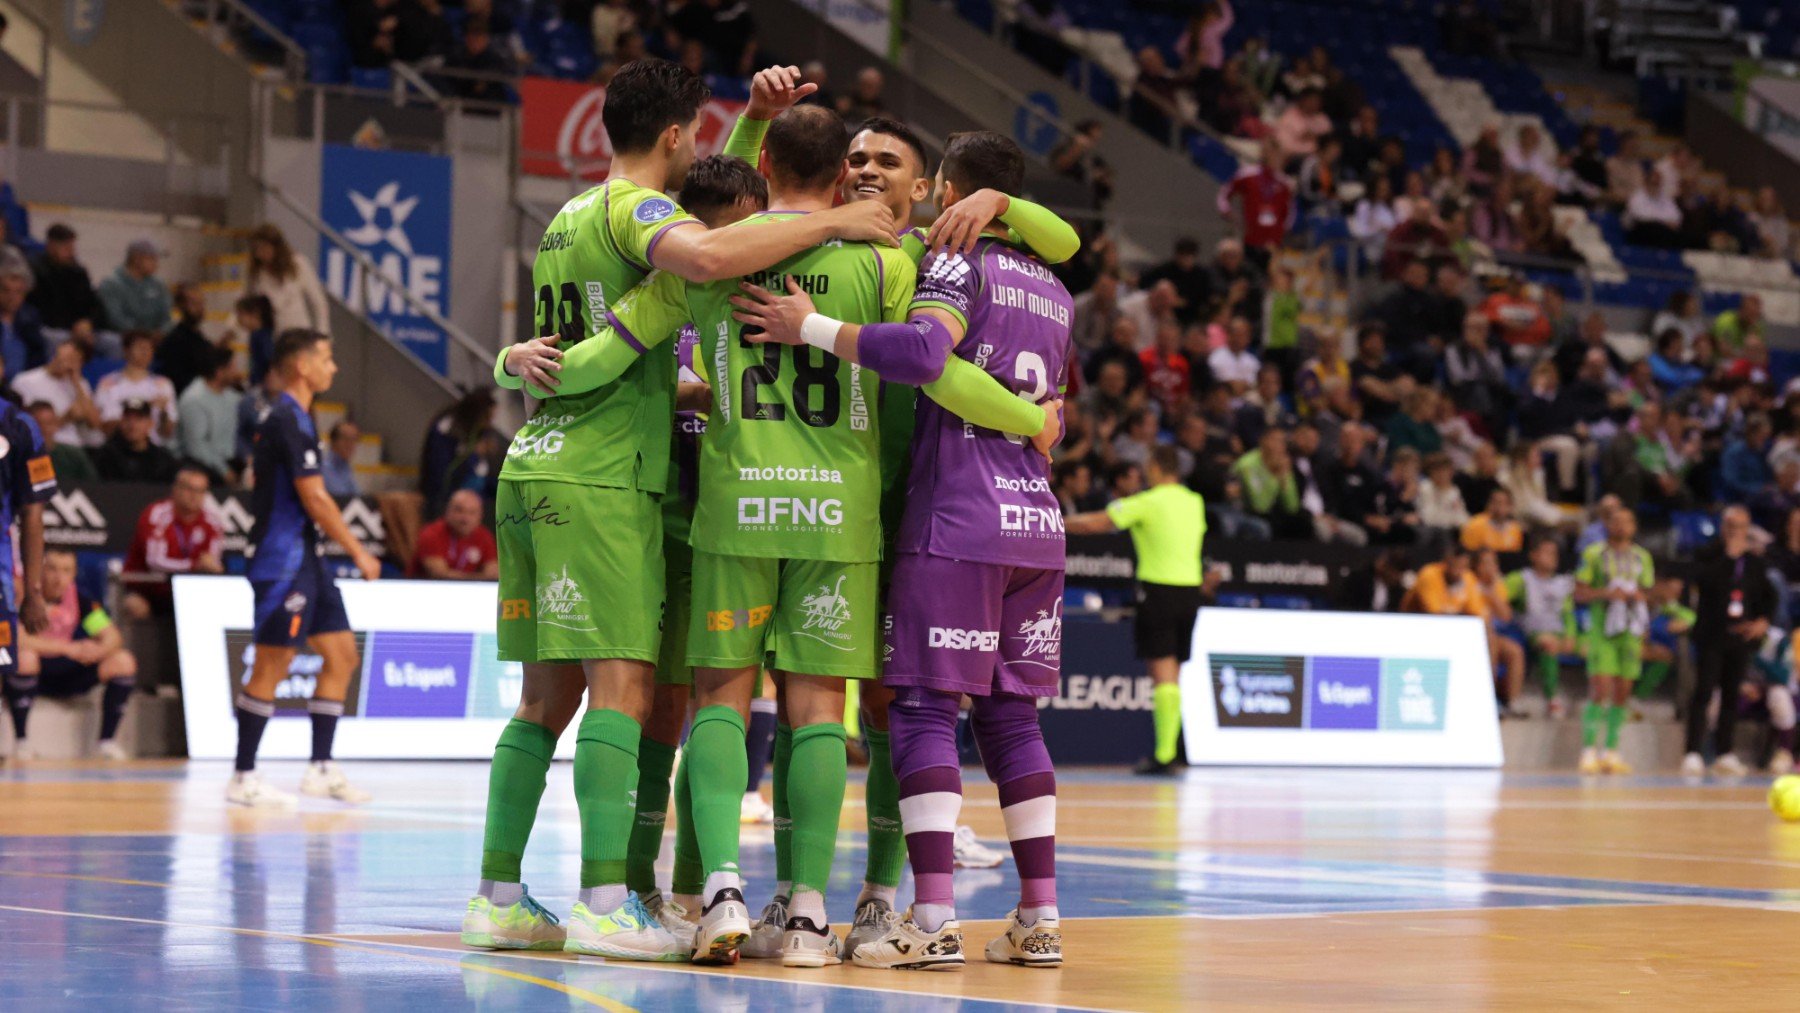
(524,925)
(628,933)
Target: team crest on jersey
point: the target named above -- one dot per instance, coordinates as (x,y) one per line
(561,603)
(653,209)
(1041,638)
(826,612)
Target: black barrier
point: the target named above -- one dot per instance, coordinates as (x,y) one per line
(1102,714)
(1311,569)
(103,516)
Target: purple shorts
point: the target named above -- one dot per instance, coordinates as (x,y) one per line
(974,628)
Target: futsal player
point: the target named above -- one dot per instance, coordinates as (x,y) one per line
(297,599)
(80,649)
(27,481)
(1613,580)
(977,595)
(1167,522)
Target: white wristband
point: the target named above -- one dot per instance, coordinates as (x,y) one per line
(820,331)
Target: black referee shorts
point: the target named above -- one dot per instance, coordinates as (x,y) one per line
(1165,620)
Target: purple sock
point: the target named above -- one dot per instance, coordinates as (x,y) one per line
(922,733)
(1012,746)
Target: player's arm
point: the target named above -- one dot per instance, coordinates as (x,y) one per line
(324,512)
(1119,515)
(773,90)
(703,255)
(1036,226)
(746,138)
(437,569)
(34,482)
(1586,576)
(655,309)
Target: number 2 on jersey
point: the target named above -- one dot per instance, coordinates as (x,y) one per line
(1031,368)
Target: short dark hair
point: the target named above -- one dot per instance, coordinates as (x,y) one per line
(1187,246)
(58,233)
(130,338)
(259,307)
(1166,459)
(894,128)
(290,344)
(984,160)
(193,468)
(807,144)
(216,359)
(647,97)
(717,182)
(338,427)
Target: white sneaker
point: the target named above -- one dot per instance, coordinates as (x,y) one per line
(1693,766)
(1781,763)
(327,780)
(672,916)
(907,947)
(22,751)
(804,944)
(972,854)
(1038,945)
(723,929)
(626,933)
(1590,761)
(248,789)
(523,925)
(873,919)
(765,938)
(110,750)
(1613,763)
(755,810)
(1729,766)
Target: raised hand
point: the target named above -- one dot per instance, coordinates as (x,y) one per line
(962,223)
(775,90)
(863,221)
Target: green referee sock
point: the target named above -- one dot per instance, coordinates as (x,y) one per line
(690,876)
(1591,716)
(816,772)
(1550,670)
(655,760)
(717,771)
(881,802)
(778,801)
(606,772)
(515,787)
(1615,720)
(1165,701)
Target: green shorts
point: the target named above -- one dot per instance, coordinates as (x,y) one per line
(581,572)
(671,664)
(796,615)
(1621,657)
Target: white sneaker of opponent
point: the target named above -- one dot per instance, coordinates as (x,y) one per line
(22,751)
(755,810)
(247,788)
(722,930)
(327,780)
(804,944)
(625,933)
(1781,763)
(765,938)
(671,916)
(1729,765)
(1693,766)
(111,750)
(907,947)
(1036,945)
(972,854)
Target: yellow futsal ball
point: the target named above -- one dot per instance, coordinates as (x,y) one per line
(1784,797)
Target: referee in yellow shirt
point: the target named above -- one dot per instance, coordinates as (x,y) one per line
(1167,522)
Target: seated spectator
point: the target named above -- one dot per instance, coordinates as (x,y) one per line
(1588,164)
(71,462)
(611,19)
(78,650)
(1321,375)
(1624,170)
(1744,470)
(1152,97)
(1320,176)
(1270,491)
(1495,222)
(59,383)
(1109,395)
(1440,504)
(135,382)
(63,293)
(1476,373)
(1412,197)
(174,535)
(1309,475)
(1096,310)
(1772,226)
(1412,316)
(1523,476)
(1413,426)
(254,321)
(1671,373)
(865,99)
(22,344)
(1404,479)
(1262,409)
(1122,350)
(1531,156)
(1539,233)
(1237,279)
(1374,218)
(1682,314)
(1495,529)
(1233,365)
(461,451)
(1482,478)
(1074,484)
(1416,236)
(1519,318)
(1354,491)
(1136,439)
(1299,127)
(1378,383)
(1187,276)
(1652,218)
(207,433)
(1149,308)
(1751,365)
(1457,435)
(1731,328)
(185,352)
(1166,369)
(129,455)
(1362,145)
(1507,654)
(134,297)
(1444,182)
(1571,355)
(338,465)
(456,546)
(1377,587)
(478,54)
(1484,164)
(1448,587)
(1077,157)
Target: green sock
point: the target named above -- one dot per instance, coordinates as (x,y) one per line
(1615,719)
(1550,669)
(816,797)
(515,787)
(655,759)
(1652,679)
(606,770)
(690,876)
(716,778)
(1590,724)
(1166,702)
(887,845)
(784,822)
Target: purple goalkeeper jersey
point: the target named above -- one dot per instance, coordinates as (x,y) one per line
(978,494)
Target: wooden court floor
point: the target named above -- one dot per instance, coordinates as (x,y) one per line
(134,886)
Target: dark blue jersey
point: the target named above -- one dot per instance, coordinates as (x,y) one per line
(286,449)
(26,476)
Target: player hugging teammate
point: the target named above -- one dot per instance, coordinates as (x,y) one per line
(787,538)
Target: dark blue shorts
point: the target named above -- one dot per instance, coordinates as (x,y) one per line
(61,677)
(296,608)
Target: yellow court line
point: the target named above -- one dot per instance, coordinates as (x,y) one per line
(390,949)
(86,879)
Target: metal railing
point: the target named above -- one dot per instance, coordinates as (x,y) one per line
(240,19)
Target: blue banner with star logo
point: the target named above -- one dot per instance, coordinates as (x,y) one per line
(394,206)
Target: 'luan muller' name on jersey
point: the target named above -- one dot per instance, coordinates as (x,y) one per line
(976,494)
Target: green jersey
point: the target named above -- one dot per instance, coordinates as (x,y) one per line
(790,465)
(595,250)
(1600,567)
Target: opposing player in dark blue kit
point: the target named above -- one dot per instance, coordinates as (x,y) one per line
(297,600)
(27,480)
